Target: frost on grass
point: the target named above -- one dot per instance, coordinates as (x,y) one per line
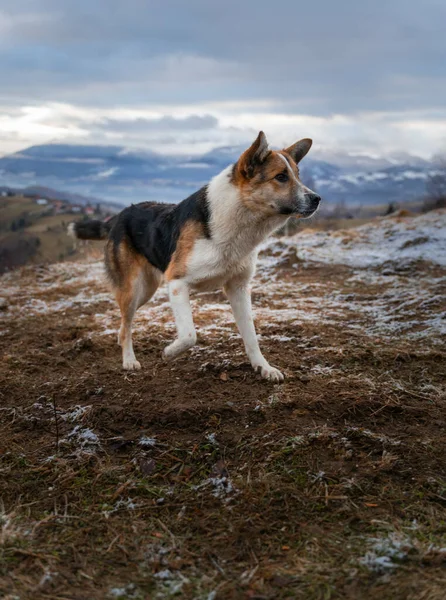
(128,504)
(83,439)
(169,583)
(383,254)
(57,288)
(384,439)
(37,306)
(212,439)
(373,245)
(323,370)
(75,413)
(220,487)
(47,578)
(386,553)
(128,592)
(147,442)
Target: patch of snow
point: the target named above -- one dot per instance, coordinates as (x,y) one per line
(170,584)
(110,331)
(386,553)
(36,306)
(74,414)
(84,438)
(297,440)
(147,442)
(222,487)
(323,370)
(319,476)
(371,245)
(128,504)
(384,439)
(165,574)
(47,577)
(281,338)
(212,439)
(129,592)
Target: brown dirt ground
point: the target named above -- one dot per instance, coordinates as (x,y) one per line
(252,490)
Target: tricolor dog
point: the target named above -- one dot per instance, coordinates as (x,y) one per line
(205,242)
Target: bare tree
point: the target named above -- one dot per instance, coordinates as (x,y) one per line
(339,210)
(436,186)
(391,208)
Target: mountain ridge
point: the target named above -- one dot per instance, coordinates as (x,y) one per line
(122,175)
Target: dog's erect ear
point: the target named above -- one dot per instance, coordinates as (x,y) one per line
(299,149)
(254,156)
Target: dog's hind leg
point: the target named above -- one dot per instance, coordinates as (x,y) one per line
(136,290)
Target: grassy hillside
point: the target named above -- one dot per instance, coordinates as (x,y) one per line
(33,234)
(195,479)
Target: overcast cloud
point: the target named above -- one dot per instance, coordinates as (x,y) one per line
(177,76)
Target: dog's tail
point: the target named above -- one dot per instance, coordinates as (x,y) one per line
(90,230)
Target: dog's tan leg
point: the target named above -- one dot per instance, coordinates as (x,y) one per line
(136,292)
(128,303)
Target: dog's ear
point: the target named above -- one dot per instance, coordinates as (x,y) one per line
(299,149)
(254,156)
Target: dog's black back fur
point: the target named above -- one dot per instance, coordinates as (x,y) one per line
(152,229)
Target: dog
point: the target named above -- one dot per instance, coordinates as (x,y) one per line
(205,242)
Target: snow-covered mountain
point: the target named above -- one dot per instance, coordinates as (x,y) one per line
(122,176)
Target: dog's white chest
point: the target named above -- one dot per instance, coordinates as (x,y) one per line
(211,265)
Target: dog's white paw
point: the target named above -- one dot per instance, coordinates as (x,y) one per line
(173,350)
(270,373)
(131,365)
(168,353)
(178,347)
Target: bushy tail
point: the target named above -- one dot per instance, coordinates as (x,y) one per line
(90,230)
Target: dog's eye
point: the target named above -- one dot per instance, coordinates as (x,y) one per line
(282,177)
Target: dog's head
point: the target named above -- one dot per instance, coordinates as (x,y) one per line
(269,180)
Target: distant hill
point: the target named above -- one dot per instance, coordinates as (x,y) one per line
(122,176)
(56,194)
(33,230)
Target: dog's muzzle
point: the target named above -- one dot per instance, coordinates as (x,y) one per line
(303,208)
(310,204)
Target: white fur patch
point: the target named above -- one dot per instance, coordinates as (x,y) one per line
(235,234)
(289,168)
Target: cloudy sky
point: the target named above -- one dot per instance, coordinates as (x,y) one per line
(184,76)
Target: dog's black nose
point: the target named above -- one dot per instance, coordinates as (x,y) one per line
(313,198)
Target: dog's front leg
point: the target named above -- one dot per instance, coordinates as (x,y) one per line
(240,299)
(186,335)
